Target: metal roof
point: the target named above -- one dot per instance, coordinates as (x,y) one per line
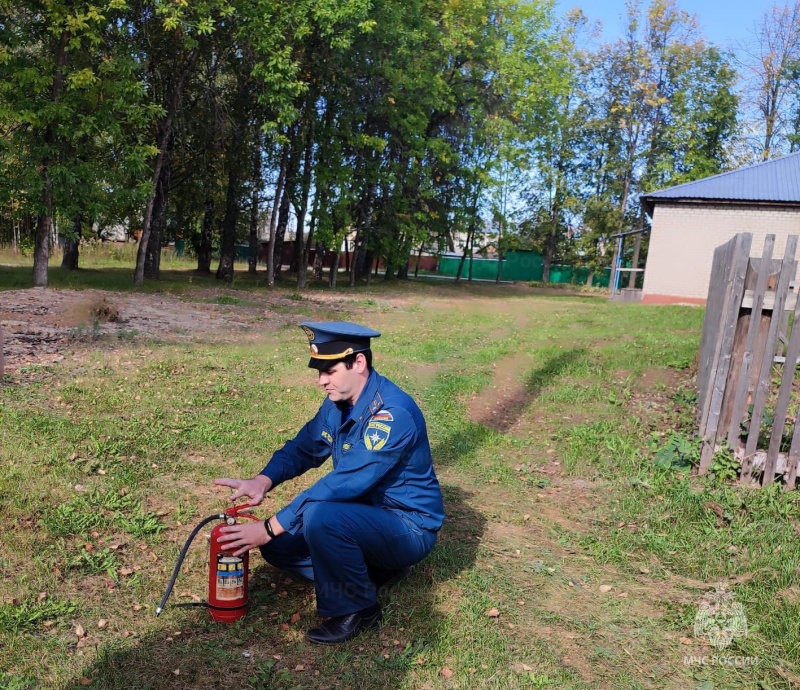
(776,180)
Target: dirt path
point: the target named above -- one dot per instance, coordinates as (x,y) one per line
(43,326)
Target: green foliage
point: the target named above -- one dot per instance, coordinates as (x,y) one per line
(31,613)
(100,510)
(678,452)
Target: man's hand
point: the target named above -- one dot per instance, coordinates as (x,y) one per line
(255,489)
(244,536)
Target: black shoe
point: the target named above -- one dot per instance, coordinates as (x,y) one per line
(383,579)
(342,628)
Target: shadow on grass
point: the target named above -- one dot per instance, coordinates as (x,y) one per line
(463,443)
(512,405)
(266,649)
(176,279)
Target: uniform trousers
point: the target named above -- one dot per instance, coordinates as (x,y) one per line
(340,545)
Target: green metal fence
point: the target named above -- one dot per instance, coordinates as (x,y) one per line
(523,266)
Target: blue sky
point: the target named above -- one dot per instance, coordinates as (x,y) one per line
(722,21)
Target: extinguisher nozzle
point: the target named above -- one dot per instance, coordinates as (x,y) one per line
(158,611)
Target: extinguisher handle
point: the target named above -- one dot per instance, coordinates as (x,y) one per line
(241,511)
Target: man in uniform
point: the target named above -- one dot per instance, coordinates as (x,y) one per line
(375,514)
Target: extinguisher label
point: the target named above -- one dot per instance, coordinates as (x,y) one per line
(230,577)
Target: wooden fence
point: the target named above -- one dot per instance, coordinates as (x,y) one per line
(748,400)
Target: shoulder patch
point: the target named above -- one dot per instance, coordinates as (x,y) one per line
(327,437)
(383,416)
(376,404)
(376,435)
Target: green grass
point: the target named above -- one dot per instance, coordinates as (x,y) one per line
(562,431)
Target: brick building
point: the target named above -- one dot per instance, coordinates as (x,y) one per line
(690,220)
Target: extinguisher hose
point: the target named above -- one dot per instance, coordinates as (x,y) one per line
(184,551)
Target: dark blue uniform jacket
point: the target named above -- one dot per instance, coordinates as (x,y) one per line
(381,456)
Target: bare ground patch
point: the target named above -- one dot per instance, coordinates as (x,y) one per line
(43,326)
(500,405)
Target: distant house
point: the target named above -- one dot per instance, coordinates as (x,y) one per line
(690,220)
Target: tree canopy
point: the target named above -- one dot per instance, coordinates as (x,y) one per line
(436,125)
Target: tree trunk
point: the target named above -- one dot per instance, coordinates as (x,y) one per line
(318,262)
(164,138)
(300,247)
(280,232)
(44,221)
(419,258)
(307,246)
(227,251)
(252,259)
(334,271)
(353,273)
(273,219)
(204,250)
(41,252)
(467,246)
(72,245)
(158,224)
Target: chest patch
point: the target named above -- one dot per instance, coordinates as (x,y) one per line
(376,435)
(346,446)
(382,416)
(327,437)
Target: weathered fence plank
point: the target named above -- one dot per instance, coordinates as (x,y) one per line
(720,366)
(782,405)
(743,384)
(718,293)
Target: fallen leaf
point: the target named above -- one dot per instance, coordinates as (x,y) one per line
(137,607)
(176,672)
(299,667)
(447,672)
(284,626)
(605,588)
(623,595)
(42,596)
(85,681)
(80,631)
(295,617)
(125,571)
(525,667)
(102,623)
(685,640)
(644,571)
(493,613)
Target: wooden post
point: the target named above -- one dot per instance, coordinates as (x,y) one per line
(718,374)
(776,322)
(740,399)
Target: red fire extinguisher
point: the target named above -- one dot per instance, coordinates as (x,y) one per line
(227,574)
